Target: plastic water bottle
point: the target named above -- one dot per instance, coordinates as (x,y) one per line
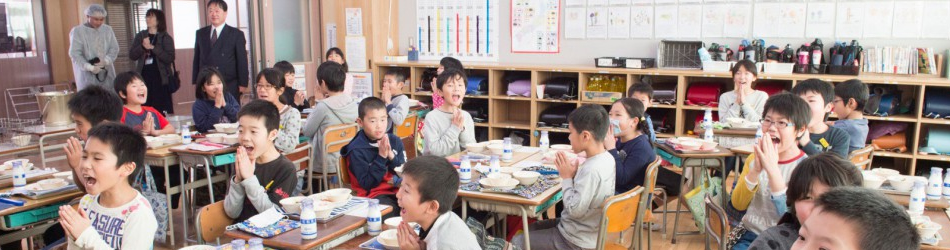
(255,244)
(237,244)
(465,170)
(374,220)
(508,154)
(707,125)
(934,186)
(494,166)
(185,135)
(19,174)
(918,196)
(308,220)
(544,142)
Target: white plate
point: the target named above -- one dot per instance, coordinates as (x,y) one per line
(37,187)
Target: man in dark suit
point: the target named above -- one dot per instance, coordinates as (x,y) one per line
(222,47)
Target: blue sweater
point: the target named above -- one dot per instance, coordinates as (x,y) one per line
(369,169)
(206,115)
(632,158)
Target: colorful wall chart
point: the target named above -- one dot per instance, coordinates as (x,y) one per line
(535,26)
(464,29)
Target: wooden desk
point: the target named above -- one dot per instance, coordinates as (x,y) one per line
(904,200)
(36,228)
(193,158)
(743,150)
(329,235)
(8,182)
(44,133)
(9,148)
(719,156)
(162,156)
(940,217)
(699,130)
(516,157)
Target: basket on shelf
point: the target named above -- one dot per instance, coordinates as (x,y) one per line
(679,54)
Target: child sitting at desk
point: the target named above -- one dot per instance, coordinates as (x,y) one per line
(628,142)
(397,104)
(338,108)
(429,187)
(113,215)
(262,175)
(585,187)
(857,218)
(448,128)
(212,105)
(147,120)
(373,155)
(819,137)
(270,87)
(850,98)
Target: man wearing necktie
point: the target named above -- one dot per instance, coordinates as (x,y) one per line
(222,47)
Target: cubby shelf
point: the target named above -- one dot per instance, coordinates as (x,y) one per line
(518,113)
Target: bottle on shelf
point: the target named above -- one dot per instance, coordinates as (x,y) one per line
(308,220)
(465,170)
(374,219)
(544,143)
(508,153)
(918,198)
(935,184)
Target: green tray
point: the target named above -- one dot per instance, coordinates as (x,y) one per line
(223,159)
(31,216)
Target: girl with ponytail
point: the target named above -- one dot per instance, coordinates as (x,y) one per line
(628,141)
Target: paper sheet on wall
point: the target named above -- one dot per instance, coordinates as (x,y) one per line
(878,17)
(354,21)
(907,20)
(820,20)
(618,2)
(713,18)
(331,35)
(362,84)
(937,23)
(619,24)
(690,21)
(661,2)
(454,28)
(596,22)
(300,77)
(779,20)
(574,22)
(738,20)
(596,2)
(575,2)
(665,21)
(535,26)
(356,53)
(850,20)
(641,21)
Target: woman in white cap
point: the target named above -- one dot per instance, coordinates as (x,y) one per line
(93,49)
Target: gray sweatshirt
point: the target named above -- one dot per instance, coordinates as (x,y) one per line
(857,129)
(750,110)
(444,139)
(398,110)
(584,197)
(334,110)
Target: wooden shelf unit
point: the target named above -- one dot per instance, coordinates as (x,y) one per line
(518,113)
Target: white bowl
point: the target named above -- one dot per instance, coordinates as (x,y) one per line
(393,223)
(322,209)
(735,122)
(708,145)
(901,183)
(292,204)
(496,149)
(550,156)
(337,194)
(872,181)
(216,137)
(499,176)
(527,177)
(928,229)
(227,128)
(504,184)
(54,183)
(691,145)
(562,147)
(388,239)
(476,147)
(230,139)
(885,172)
(154,142)
(10,162)
(496,142)
(171,139)
(21,140)
(65,175)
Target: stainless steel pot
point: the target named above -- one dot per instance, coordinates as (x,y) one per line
(53,108)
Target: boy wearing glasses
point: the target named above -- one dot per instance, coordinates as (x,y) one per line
(760,189)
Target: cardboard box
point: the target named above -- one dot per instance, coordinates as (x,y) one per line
(601,96)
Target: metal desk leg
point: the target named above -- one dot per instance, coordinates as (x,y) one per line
(168,200)
(524,225)
(464,210)
(184,200)
(210,182)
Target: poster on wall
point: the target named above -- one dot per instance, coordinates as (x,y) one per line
(354,21)
(596,22)
(574,22)
(362,84)
(464,29)
(535,26)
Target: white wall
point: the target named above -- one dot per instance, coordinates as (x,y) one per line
(575,51)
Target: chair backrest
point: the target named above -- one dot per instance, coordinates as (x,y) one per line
(344,172)
(212,222)
(650,183)
(337,136)
(862,157)
(617,211)
(408,126)
(716,224)
(300,156)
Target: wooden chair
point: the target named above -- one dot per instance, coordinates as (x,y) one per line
(300,157)
(211,222)
(716,225)
(408,126)
(344,172)
(862,157)
(646,204)
(616,217)
(334,138)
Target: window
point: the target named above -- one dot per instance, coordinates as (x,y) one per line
(17,35)
(187,19)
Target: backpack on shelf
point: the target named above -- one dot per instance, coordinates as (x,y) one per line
(704,94)
(478,111)
(519,88)
(477,85)
(556,116)
(561,88)
(936,105)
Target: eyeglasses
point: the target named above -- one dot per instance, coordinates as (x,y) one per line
(779,124)
(265,86)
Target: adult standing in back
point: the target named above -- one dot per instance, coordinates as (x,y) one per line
(153,51)
(93,49)
(224,48)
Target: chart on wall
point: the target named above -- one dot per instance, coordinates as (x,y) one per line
(535,26)
(464,29)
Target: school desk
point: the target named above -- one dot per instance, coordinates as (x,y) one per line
(940,217)
(683,160)
(329,235)
(31,208)
(44,133)
(161,156)
(191,159)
